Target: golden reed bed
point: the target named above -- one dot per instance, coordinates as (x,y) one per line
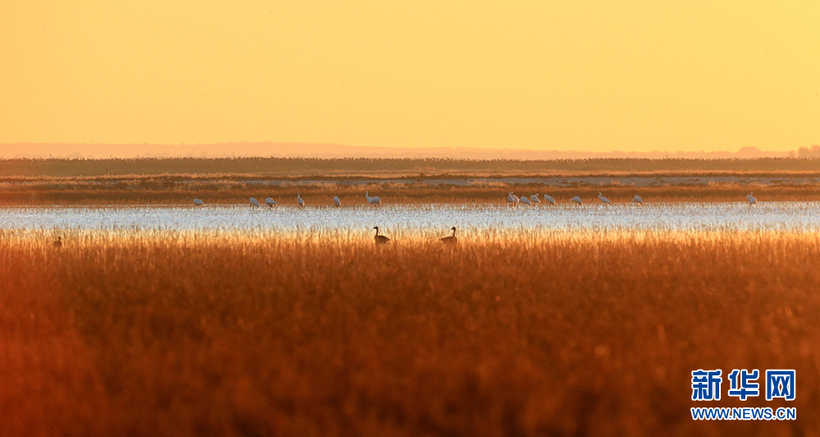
(232,335)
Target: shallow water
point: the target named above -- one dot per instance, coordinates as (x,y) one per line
(426,219)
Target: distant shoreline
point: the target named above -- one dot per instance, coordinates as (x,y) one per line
(331,151)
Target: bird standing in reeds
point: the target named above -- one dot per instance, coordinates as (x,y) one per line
(58,242)
(452,239)
(380,239)
(751,198)
(337,201)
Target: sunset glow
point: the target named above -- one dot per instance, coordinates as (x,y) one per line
(586,76)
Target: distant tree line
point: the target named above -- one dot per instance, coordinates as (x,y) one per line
(809,153)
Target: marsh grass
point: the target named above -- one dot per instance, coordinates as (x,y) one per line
(221,333)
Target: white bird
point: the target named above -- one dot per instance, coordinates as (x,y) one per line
(637,199)
(549,199)
(577,200)
(512,198)
(337,201)
(198,202)
(604,199)
(751,198)
(270,202)
(299,200)
(535,198)
(254,203)
(526,201)
(375,200)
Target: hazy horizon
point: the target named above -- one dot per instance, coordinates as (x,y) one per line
(305,150)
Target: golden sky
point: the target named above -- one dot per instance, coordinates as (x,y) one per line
(556,75)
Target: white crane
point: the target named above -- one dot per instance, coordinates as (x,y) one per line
(512,198)
(270,202)
(549,199)
(577,200)
(535,199)
(198,202)
(604,199)
(380,239)
(375,200)
(751,198)
(337,201)
(299,200)
(637,199)
(254,203)
(526,201)
(452,239)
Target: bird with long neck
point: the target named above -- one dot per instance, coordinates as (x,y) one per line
(380,239)
(58,242)
(373,200)
(452,239)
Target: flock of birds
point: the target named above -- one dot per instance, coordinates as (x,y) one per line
(452,239)
(534,199)
(511,199)
(373,200)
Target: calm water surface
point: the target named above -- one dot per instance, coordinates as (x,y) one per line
(770,216)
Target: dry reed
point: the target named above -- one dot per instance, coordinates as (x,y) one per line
(214,334)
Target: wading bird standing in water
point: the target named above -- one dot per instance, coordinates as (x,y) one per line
(637,199)
(525,201)
(751,198)
(604,199)
(535,199)
(337,201)
(549,199)
(299,200)
(512,198)
(375,200)
(452,239)
(254,203)
(270,202)
(59,242)
(198,202)
(577,200)
(380,239)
